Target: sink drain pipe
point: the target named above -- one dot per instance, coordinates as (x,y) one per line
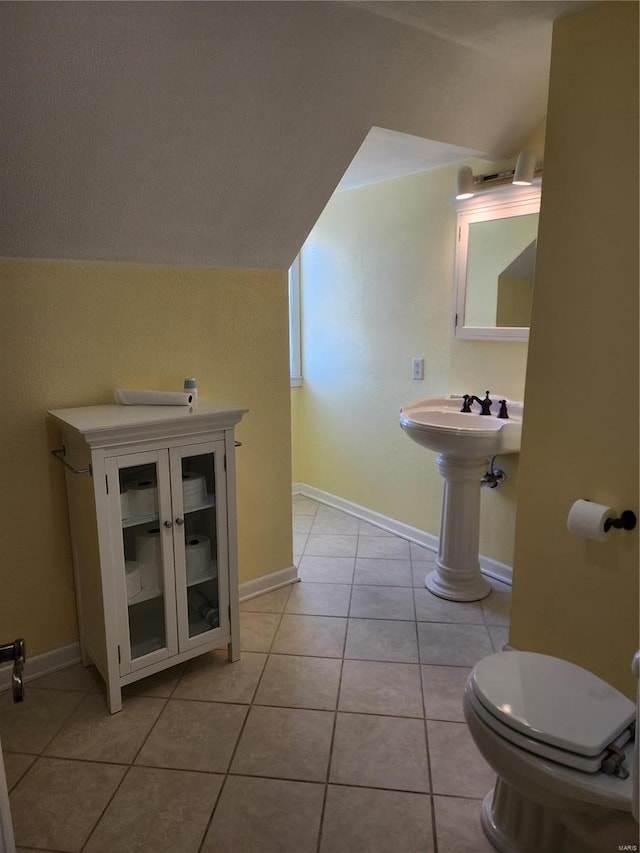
(494,477)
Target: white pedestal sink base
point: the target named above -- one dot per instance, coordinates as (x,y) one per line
(456,589)
(457,575)
(465,442)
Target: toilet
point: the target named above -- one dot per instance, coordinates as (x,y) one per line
(561,741)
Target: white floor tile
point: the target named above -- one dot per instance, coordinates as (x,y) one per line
(347,681)
(380,752)
(330,545)
(380,571)
(383,547)
(319,599)
(326,569)
(381,639)
(319,636)
(335,524)
(377,687)
(453,645)
(366,820)
(430,608)
(382,602)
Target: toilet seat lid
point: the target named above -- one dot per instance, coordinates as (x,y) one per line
(552,700)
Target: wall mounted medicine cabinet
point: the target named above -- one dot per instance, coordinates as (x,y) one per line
(151,495)
(496,240)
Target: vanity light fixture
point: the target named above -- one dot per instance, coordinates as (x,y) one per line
(464,183)
(525,169)
(468,184)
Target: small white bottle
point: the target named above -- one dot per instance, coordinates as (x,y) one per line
(191,387)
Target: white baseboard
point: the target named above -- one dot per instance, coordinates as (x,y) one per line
(268,583)
(43,664)
(65,656)
(413,534)
(489,567)
(48,662)
(494,569)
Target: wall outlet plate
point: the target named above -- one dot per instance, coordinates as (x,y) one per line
(417,368)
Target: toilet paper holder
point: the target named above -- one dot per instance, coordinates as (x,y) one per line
(627,521)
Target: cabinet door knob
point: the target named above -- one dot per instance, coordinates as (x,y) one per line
(168,524)
(179,521)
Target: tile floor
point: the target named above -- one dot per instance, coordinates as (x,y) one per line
(339,731)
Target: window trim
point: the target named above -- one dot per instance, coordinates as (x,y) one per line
(295,356)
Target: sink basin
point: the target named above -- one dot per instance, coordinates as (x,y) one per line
(438,424)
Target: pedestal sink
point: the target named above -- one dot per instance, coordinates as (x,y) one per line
(464,443)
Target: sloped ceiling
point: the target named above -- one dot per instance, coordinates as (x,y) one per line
(214,133)
(388,154)
(517,33)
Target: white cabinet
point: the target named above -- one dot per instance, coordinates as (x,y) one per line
(151,493)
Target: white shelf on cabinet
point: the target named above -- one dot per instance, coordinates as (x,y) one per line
(146,594)
(210,502)
(135,520)
(211,575)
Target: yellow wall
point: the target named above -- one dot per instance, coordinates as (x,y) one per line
(377,290)
(572,597)
(71,332)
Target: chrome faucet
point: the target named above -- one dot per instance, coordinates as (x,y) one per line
(485,405)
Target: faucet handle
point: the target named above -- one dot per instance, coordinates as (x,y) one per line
(466,405)
(503,413)
(486,405)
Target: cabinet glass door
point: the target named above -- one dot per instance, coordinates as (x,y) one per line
(145,543)
(200,553)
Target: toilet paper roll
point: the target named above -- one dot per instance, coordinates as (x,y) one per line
(150,576)
(198,557)
(152,398)
(124,505)
(192,481)
(148,546)
(194,490)
(587,519)
(132,575)
(143,498)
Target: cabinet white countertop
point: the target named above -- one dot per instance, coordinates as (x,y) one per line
(106,423)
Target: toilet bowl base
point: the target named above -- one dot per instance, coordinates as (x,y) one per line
(515,824)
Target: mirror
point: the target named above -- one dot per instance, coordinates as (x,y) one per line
(495,263)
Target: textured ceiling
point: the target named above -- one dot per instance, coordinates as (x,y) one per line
(518,34)
(215,133)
